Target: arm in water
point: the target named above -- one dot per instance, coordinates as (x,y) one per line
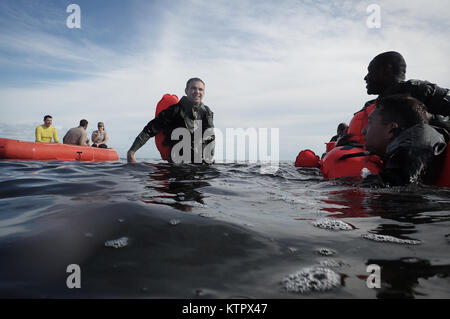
(150,130)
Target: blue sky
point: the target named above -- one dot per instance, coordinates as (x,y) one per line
(293,65)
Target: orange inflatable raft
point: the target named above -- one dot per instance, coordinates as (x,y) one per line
(32,151)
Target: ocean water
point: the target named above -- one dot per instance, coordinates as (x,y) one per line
(156,230)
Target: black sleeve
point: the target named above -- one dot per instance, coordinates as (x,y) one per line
(163,120)
(155,126)
(436,99)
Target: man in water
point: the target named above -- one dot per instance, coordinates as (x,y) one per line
(340,132)
(386,76)
(188,113)
(77,135)
(45,132)
(399,133)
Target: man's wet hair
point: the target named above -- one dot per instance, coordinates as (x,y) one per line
(402,109)
(194,80)
(83,123)
(47,117)
(395,60)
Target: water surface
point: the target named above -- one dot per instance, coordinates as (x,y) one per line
(156,230)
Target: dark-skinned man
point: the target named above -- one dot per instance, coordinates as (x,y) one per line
(386,76)
(187,114)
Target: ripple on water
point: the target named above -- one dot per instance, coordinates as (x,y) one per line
(332,224)
(391,239)
(312,279)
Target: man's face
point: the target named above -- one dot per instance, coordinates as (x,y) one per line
(195,92)
(48,121)
(379,77)
(377,134)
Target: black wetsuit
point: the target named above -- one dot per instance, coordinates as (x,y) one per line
(183,114)
(415,155)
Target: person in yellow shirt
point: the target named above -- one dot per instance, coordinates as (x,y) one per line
(45,132)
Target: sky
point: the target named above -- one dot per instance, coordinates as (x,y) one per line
(293,65)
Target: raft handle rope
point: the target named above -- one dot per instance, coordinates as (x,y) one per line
(344,157)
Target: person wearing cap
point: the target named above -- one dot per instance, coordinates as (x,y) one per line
(100,137)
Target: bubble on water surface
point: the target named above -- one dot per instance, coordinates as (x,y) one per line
(391,239)
(174,222)
(331,263)
(332,224)
(312,279)
(325,251)
(117,243)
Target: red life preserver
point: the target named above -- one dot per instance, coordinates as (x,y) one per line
(307,158)
(358,123)
(349,161)
(166,101)
(444,176)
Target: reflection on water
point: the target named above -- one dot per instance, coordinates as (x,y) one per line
(176,185)
(401,278)
(214,232)
(349,203)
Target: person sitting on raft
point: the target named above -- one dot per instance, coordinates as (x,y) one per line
(411,149)
(45,132)
(386,76)
(185,114)
(100,137)
(77,135)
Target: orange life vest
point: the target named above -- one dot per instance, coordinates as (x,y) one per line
(166,101)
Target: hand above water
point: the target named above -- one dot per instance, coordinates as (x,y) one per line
(130,157)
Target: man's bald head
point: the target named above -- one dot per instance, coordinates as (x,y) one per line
(385,70)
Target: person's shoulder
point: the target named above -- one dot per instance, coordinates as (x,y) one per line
(208,109)
(366,105)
